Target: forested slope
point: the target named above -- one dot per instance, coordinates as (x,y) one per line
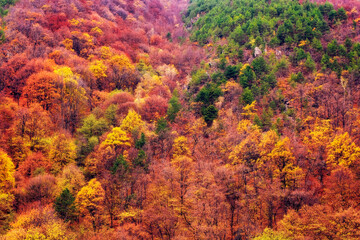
(169,119)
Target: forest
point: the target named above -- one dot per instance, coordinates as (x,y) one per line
(179,119)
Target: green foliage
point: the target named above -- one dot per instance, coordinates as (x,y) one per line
(199,77)
(65,207)
(92,126)
(260,66)
(332,48)
(218,77)
(299,54)
(316,44)
(110,114)
(297,77)
(341,14)
(209,94)
(120,164)
(231,72)
(173,108)
(248,77)
(161,125)
(140,160)
(209,113)
(247,96)
(271,80)
(310,64)
(140,142)
(242,20)
(239,36)
(4,4)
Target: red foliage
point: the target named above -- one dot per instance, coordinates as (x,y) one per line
(56,21)
(34,161)
(123,101)
(154,107)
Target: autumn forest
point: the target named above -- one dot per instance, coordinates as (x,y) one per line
(179,119)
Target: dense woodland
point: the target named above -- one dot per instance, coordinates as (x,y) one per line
(177,119)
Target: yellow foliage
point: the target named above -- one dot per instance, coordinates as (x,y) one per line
(91,197)
(98,69)
(302,43)
(342,151)
(268,142)
(71,178)
(320,135)
(66,74)
(105,52)
(250,110)
(68,44)
(244,126)
(117,138)
(230,85)
(284,162)
(96,31)
(121,62)
(168,71)
(7,169)
(281,154)
(62,152)
(247,152)
(74,22)
(131,121)
(46,7)
(90,200)
(39,223)
(180,147)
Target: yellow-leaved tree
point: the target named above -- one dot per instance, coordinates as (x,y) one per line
(184,172)
(342,151)
(90,200)
(7,183)
(62,152)
(98,69)
(72,98)
(284,165)
(117,138)
(131,122)
(316,142)
(180,147)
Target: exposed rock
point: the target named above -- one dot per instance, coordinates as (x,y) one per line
(257,52)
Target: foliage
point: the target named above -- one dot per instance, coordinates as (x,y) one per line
(90,201)
(64,206)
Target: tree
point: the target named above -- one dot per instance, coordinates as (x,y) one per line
(247,96)
(131,122)
(332,48)
(40,88)
(62,152)
(7,183)
(343,152)
(173,108)
(92,126)
(209,113)
(98,69)
(260,66)
(341,14)
(65,207)
(39,223)
(90,200)
(284,162)
(72,98)
(247,76)
(117,138)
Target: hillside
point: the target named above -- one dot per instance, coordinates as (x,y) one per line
(176,119)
